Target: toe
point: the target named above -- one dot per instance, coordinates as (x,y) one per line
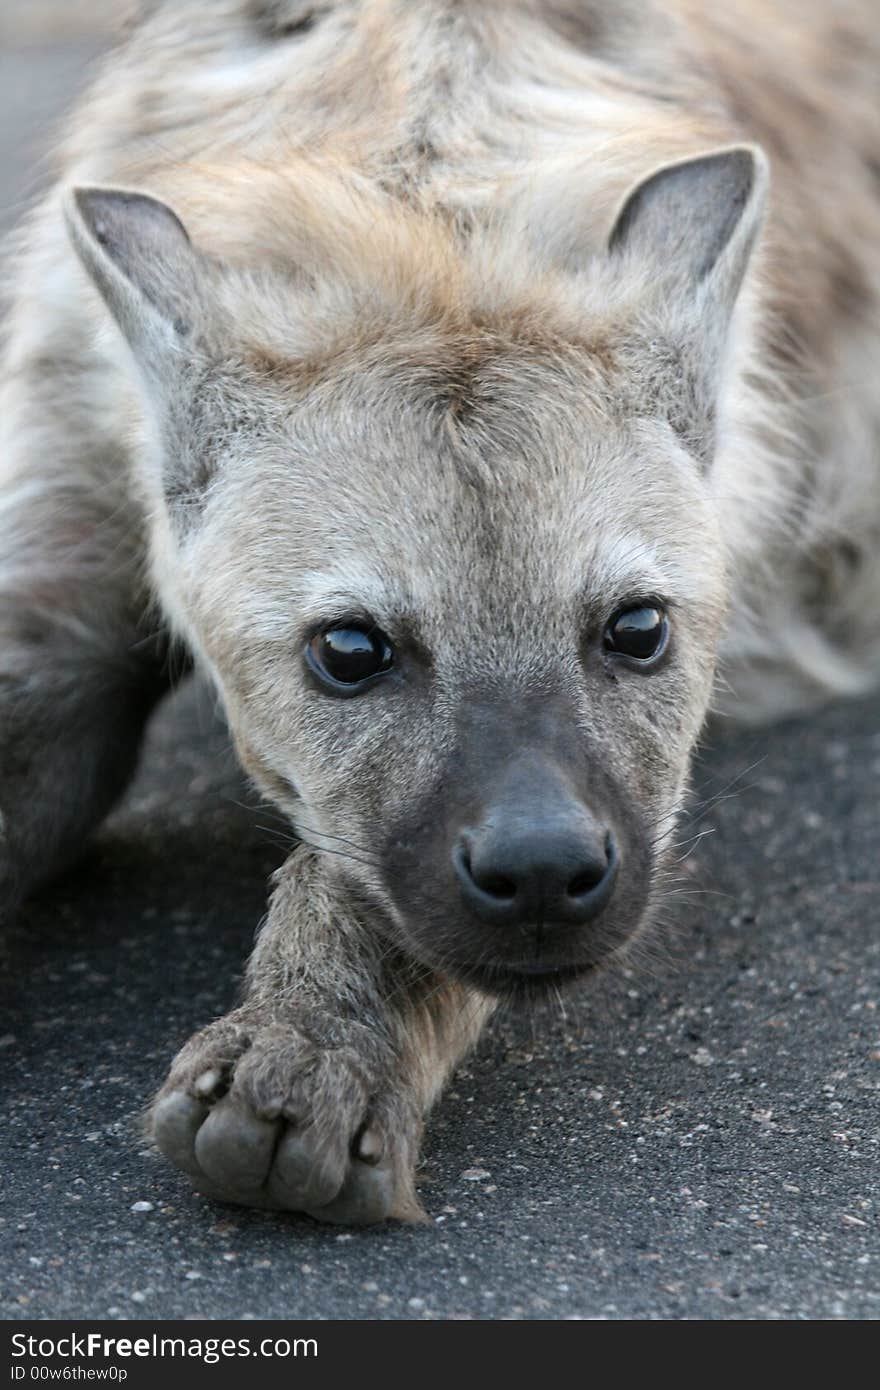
(367,1196)
(177,1118)
(234,1148)
(307,1174)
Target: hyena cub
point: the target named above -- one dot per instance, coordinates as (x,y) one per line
(431,372)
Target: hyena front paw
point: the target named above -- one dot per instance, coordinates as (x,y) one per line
(260,1115)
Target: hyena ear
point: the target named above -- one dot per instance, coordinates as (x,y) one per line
(696,222)
(138,253)
(687,232)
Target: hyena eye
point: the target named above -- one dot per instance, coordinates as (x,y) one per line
(349,656)
(639,632)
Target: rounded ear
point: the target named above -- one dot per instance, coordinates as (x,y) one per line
(687,232)
(139,255)
(697,221)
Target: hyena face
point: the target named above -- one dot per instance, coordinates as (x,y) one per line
(441,526)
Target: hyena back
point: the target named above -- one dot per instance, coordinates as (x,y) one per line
(472,424)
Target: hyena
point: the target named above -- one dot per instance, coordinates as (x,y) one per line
(439,375)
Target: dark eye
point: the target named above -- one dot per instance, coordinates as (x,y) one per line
(349,655)
(639,632)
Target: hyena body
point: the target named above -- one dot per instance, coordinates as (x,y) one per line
(479,388)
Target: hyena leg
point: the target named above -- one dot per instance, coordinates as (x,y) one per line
(312,1095)
(79,671)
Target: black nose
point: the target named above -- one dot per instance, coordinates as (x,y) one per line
(536,871)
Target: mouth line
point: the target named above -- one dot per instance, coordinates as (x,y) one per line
(537,972)
(525,975)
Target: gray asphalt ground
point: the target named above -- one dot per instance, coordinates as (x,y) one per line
(697,1138)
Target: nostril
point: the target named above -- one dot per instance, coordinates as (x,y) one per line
(496,885)
(584,882)
(591,875)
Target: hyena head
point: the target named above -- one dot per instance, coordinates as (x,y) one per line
(437,515)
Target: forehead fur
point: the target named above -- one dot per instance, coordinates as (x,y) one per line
(442,392)
(524,513)
(317,255)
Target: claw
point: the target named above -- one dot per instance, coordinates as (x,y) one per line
(370,1147)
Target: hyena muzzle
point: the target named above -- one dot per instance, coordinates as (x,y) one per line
(433,376)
